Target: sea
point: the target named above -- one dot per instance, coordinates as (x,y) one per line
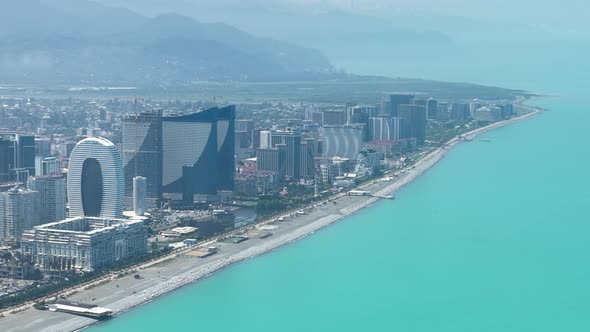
(493,238)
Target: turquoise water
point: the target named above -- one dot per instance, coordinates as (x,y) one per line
(494,238)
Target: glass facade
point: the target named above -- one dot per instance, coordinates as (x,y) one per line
(142,152)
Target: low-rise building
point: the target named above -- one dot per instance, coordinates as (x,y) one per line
(83,243)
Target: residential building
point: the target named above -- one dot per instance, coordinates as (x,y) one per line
(272,160)
(292,140)
(19,211)
(52,193)
(47,166)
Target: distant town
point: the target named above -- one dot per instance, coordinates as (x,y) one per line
(91,186)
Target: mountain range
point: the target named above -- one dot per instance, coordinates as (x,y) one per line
(83,42)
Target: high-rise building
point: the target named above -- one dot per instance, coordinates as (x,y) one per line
(343,142)
(5,155)
(383,128)
(306,160)
(95,179)
(474,105)
(272,160)
(414,122)
(52,193)
(18,153)
(226,148)
(19,211)
(139,195)
(360,115)
(47,166)
(460,111)
(246,125)
(333,117)
(142,152)
(507,110)
(395,128)
(292,140)
(190,155)
(398,99)
(65,149)
(198,154)
(385,108)
(432,108)
(42,147)
(265,141)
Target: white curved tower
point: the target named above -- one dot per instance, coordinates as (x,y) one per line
(95,179)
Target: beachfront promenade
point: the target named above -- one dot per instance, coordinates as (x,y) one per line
(174,271)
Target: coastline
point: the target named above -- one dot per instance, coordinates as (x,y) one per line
(184,270)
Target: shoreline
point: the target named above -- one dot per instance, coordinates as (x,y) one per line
(183,272)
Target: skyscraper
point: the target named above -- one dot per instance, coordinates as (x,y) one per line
(383,128)
(95,179)
(17,152)
(460,111)
(265,141)
(5,164)
(245,125)
(19,211)
(307,160)
(414,122)
(52,193)
(226,148)
(189,155)
(292,140)
(139,195)
(333,117)
(397,99)
(272,160)
(432,108)
(142,152)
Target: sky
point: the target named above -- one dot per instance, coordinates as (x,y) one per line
(563,15)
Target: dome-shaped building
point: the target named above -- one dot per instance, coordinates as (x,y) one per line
(95,179)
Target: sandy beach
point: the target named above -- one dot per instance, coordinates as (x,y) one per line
(181,268)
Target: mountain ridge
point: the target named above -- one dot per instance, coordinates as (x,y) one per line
(121,47)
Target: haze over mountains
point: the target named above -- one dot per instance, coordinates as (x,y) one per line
(80,42)
(447,40)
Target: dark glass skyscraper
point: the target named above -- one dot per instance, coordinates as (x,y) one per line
(17,153)
(198,154)
(414,122)
(399,99)
(142,152)
(226,145)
